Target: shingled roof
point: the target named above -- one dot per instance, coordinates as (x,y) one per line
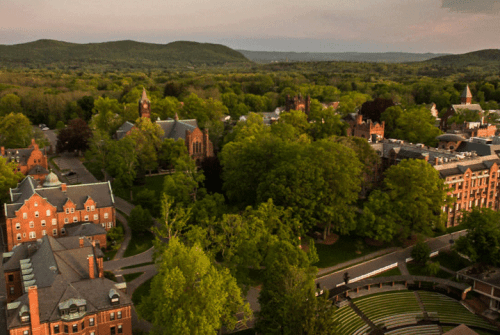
(101,193)
(124,129)
(176,129)
(59,269)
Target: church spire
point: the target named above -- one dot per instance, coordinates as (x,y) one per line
(466,97)
(144,105)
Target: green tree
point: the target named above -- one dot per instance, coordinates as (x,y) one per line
(421,253)
(106,115)
(9,177)
(122,161)
(184,186)
(147,138)
(378,219)
(417,125)
(15,131)
(190,294)
(482,242)
(10,103)
(417,194)
(139,220)
(170,151)
(75,137)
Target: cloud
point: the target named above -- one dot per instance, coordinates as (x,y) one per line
(472,6)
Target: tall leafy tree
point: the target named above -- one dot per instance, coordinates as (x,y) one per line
(9,177)
(482,242)
(75,137)
(15,131)
(10,103)
(191,294)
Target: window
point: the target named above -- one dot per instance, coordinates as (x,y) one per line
(83,325)
(104,224)
(91,322)
(44,232)
(96,217)
(66,330)
(119,315)
(113,331)
(112,316)
(54,222)
(48,212)
(18,225)
(32,224)
(12,290)
(54,232)
(110,224)
(120,329)
(92,208)
(56,329)
(75,219)
(43,223)
(32,234)
(24,235)
(63,231)
(86,217)
(25,215)
(92,333)
(18,237)
(88,208)
(26,332)
(72,210)
(105,215)
(67,210)
(11,278)
(66,220)
(75,328)
(36,204)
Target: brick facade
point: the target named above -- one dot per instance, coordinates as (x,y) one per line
(198,145)
(360,128)
(298,103)
(38,214)
(30,161)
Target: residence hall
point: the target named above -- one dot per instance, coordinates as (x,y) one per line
(197,141)
(473,179)
(30,161)
(34,212)
(56,286)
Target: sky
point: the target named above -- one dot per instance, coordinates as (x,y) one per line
(420,26)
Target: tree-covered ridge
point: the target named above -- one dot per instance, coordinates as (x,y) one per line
(488,57)
(119,54)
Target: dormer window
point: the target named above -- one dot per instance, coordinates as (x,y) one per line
(24,314)
(114,297)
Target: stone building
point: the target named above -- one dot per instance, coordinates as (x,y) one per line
(466,104)
(34,212)
(56,286)
(30,161)
(298,103)
(365,129)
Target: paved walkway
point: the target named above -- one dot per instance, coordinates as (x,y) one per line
(126,239)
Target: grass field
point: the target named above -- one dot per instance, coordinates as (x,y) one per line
(452,260)
(139,243)
(419,270)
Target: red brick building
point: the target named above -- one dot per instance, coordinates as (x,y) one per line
(30,161)
(197,141)
(35,212)
(58,287)
(298,103)
(365,129)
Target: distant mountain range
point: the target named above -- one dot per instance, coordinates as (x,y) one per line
(118,54)
(386,57)
(182,54)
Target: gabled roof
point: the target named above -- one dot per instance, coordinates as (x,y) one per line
(176,129)
(472,107)
(124,129)
(12,155)
(38,169)
(84,229)
(101,193)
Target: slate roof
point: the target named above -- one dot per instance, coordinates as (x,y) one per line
(480,148)
(60,268)
(22,154)
(101,193)
(176,129)
(472,107)
(463,166)
(38,169)
(84,229)
(124,129)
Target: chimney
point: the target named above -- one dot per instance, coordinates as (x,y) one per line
(34,312)
(3,151)
(33,143)
(91,266)
(63,187)
(359,119)
(176,117)
(81,241)
(436,161)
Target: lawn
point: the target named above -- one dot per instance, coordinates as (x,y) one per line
(452,260)
(341,251)
(140,292)
(419,270)
(139,243)
(392,272)
(131,276)
(137,265)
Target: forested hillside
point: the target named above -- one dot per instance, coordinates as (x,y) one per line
(119,54)
(490,57)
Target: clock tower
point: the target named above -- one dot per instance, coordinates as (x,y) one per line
(144,105)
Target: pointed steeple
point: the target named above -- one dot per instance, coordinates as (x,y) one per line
(466,97)
(144,105)
(144,96)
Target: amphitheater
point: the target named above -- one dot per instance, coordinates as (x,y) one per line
(395,310)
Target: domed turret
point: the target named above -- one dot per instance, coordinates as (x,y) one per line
(51,180)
